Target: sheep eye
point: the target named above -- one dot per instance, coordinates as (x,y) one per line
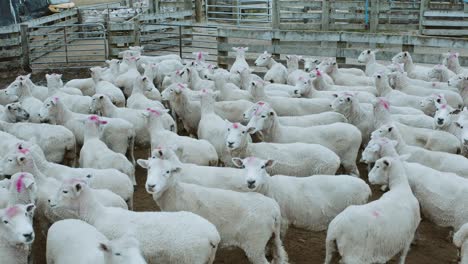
(263,166)
(377,167)
(48,105)
(5,221)
(243,132)
(65,191)
(263,116)
(167,172)
(10,160)
(229,129)
(117,254)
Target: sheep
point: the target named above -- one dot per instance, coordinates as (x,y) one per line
(119,134)
(246,78)
(459,239)
(348,105)
(277,72)
(461,83)
(368,58)
(57,142)
(16,233)
(351,71)
(195,243)
(341,78)
(289,106)
(102,104)
(14,112)
(294,159)
(125,81)
(235,226)
(382,115)
(66,238)
(310,64)
(401,83)
(4,192)
(37,91)
(445,119)
(7,98)
(196,151)
(228,91)
(159,70)
(428,103)
(305,88)
(95,153)
(138,100)
(196,83)
(106,87)
(414,71)
(110,179)
(452,62)
(439,73)
(343,139)
(21,188)
(441,161)
(29,103)
(321,84)
(109,74)
(324,118)
(372,233)
(292,62)
(240,62)
(76,103)
(84,85)
(301,208)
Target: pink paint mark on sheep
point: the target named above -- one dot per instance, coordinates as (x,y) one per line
(375,213)
(235,125)
(178,72)
(93,118)
(443,106)
(210,66)
(55,99)
(318,73)
(181,86)
(23,150)
(250,160)
(261,103)
(152,111)
(384,103)
(433,84)
(200,56)
(301,78)
(12,211)
(19,183)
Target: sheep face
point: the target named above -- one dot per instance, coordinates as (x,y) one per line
(428,104)
(254,171)
(24,183)
(253,109)
(365,56)
(49,110)
(13,163)
(262,119)
(160,175)
(12,89)
(462,125)
(310,64)
(443,115)
(67,196)
(16,223)
(387,131)
(451,59)
(97,103)
(401,57)
(459,81)
(54,80)
(171,92)
(236,135)
(371,153)
(124,250)
(343,103)
(263,60)
(6,98)
(379,173)
(17,112)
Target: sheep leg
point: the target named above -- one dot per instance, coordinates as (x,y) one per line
(255,254)
(405,250)
(330,246)
(352,169)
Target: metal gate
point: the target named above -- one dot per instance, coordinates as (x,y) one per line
(181,39)
(242,13)
(67,46)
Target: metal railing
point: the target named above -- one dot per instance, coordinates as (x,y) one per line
(242,13)
(67,46)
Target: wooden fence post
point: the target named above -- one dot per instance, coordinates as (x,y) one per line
(423,7)
(136,30)
(25,47)
(275,14)
(325,15)
(222,64)
(198,10)
(275,43)
(340,47)
(374,16)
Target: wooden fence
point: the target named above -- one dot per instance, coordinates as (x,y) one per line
(345,46)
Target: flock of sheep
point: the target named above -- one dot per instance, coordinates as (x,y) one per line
(259,155)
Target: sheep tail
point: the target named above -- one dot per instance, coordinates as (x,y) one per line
(460,236)
(279,254)
(330,245)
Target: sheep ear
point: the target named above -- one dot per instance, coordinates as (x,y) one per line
(405,157)
(288,57)
(386,162)
(30,208)
(390,129)
(101,97)
(21,159)
(143,163)
(238,162)
(250,130)
(176,169)
(104,248)
(78,187)
(269,163)
(455,112)
(28,182)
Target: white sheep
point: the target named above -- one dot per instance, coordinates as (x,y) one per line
(157,71)
(196,151)
(119,134)
(428,103)
(414,71)
(343,139)
(437,160)
(452,62)
(76,103)
(57,142)
(196,243)
(382,115)
(246,78)
(439,73)
(277,72)
(401,83)
(351,71)
(14,112)
(125,81)
(368,58)
(294,73)
(295,159)
(110,179)
(106,87)
(39,92)
(446,118)
(320,83)
(229,91)
(301,208)
(305,88)
(240,62)
(196,83)
(31,104)
(395,97)
(75,241)
(235,226)
(95,153)
(22,189)
(7,98)
(16,233)
(85,85)
(460,82)
(343,78)
(373,233)
(289,106)
(459,240)
(138,100)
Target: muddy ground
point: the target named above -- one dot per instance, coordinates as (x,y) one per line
(432,244)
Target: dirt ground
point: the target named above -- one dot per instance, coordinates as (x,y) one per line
(431,246)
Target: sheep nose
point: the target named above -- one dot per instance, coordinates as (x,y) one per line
(151,186)
(230,144)
(27,115)
(296,91)
(29,236)
(251,184)
(307,69)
